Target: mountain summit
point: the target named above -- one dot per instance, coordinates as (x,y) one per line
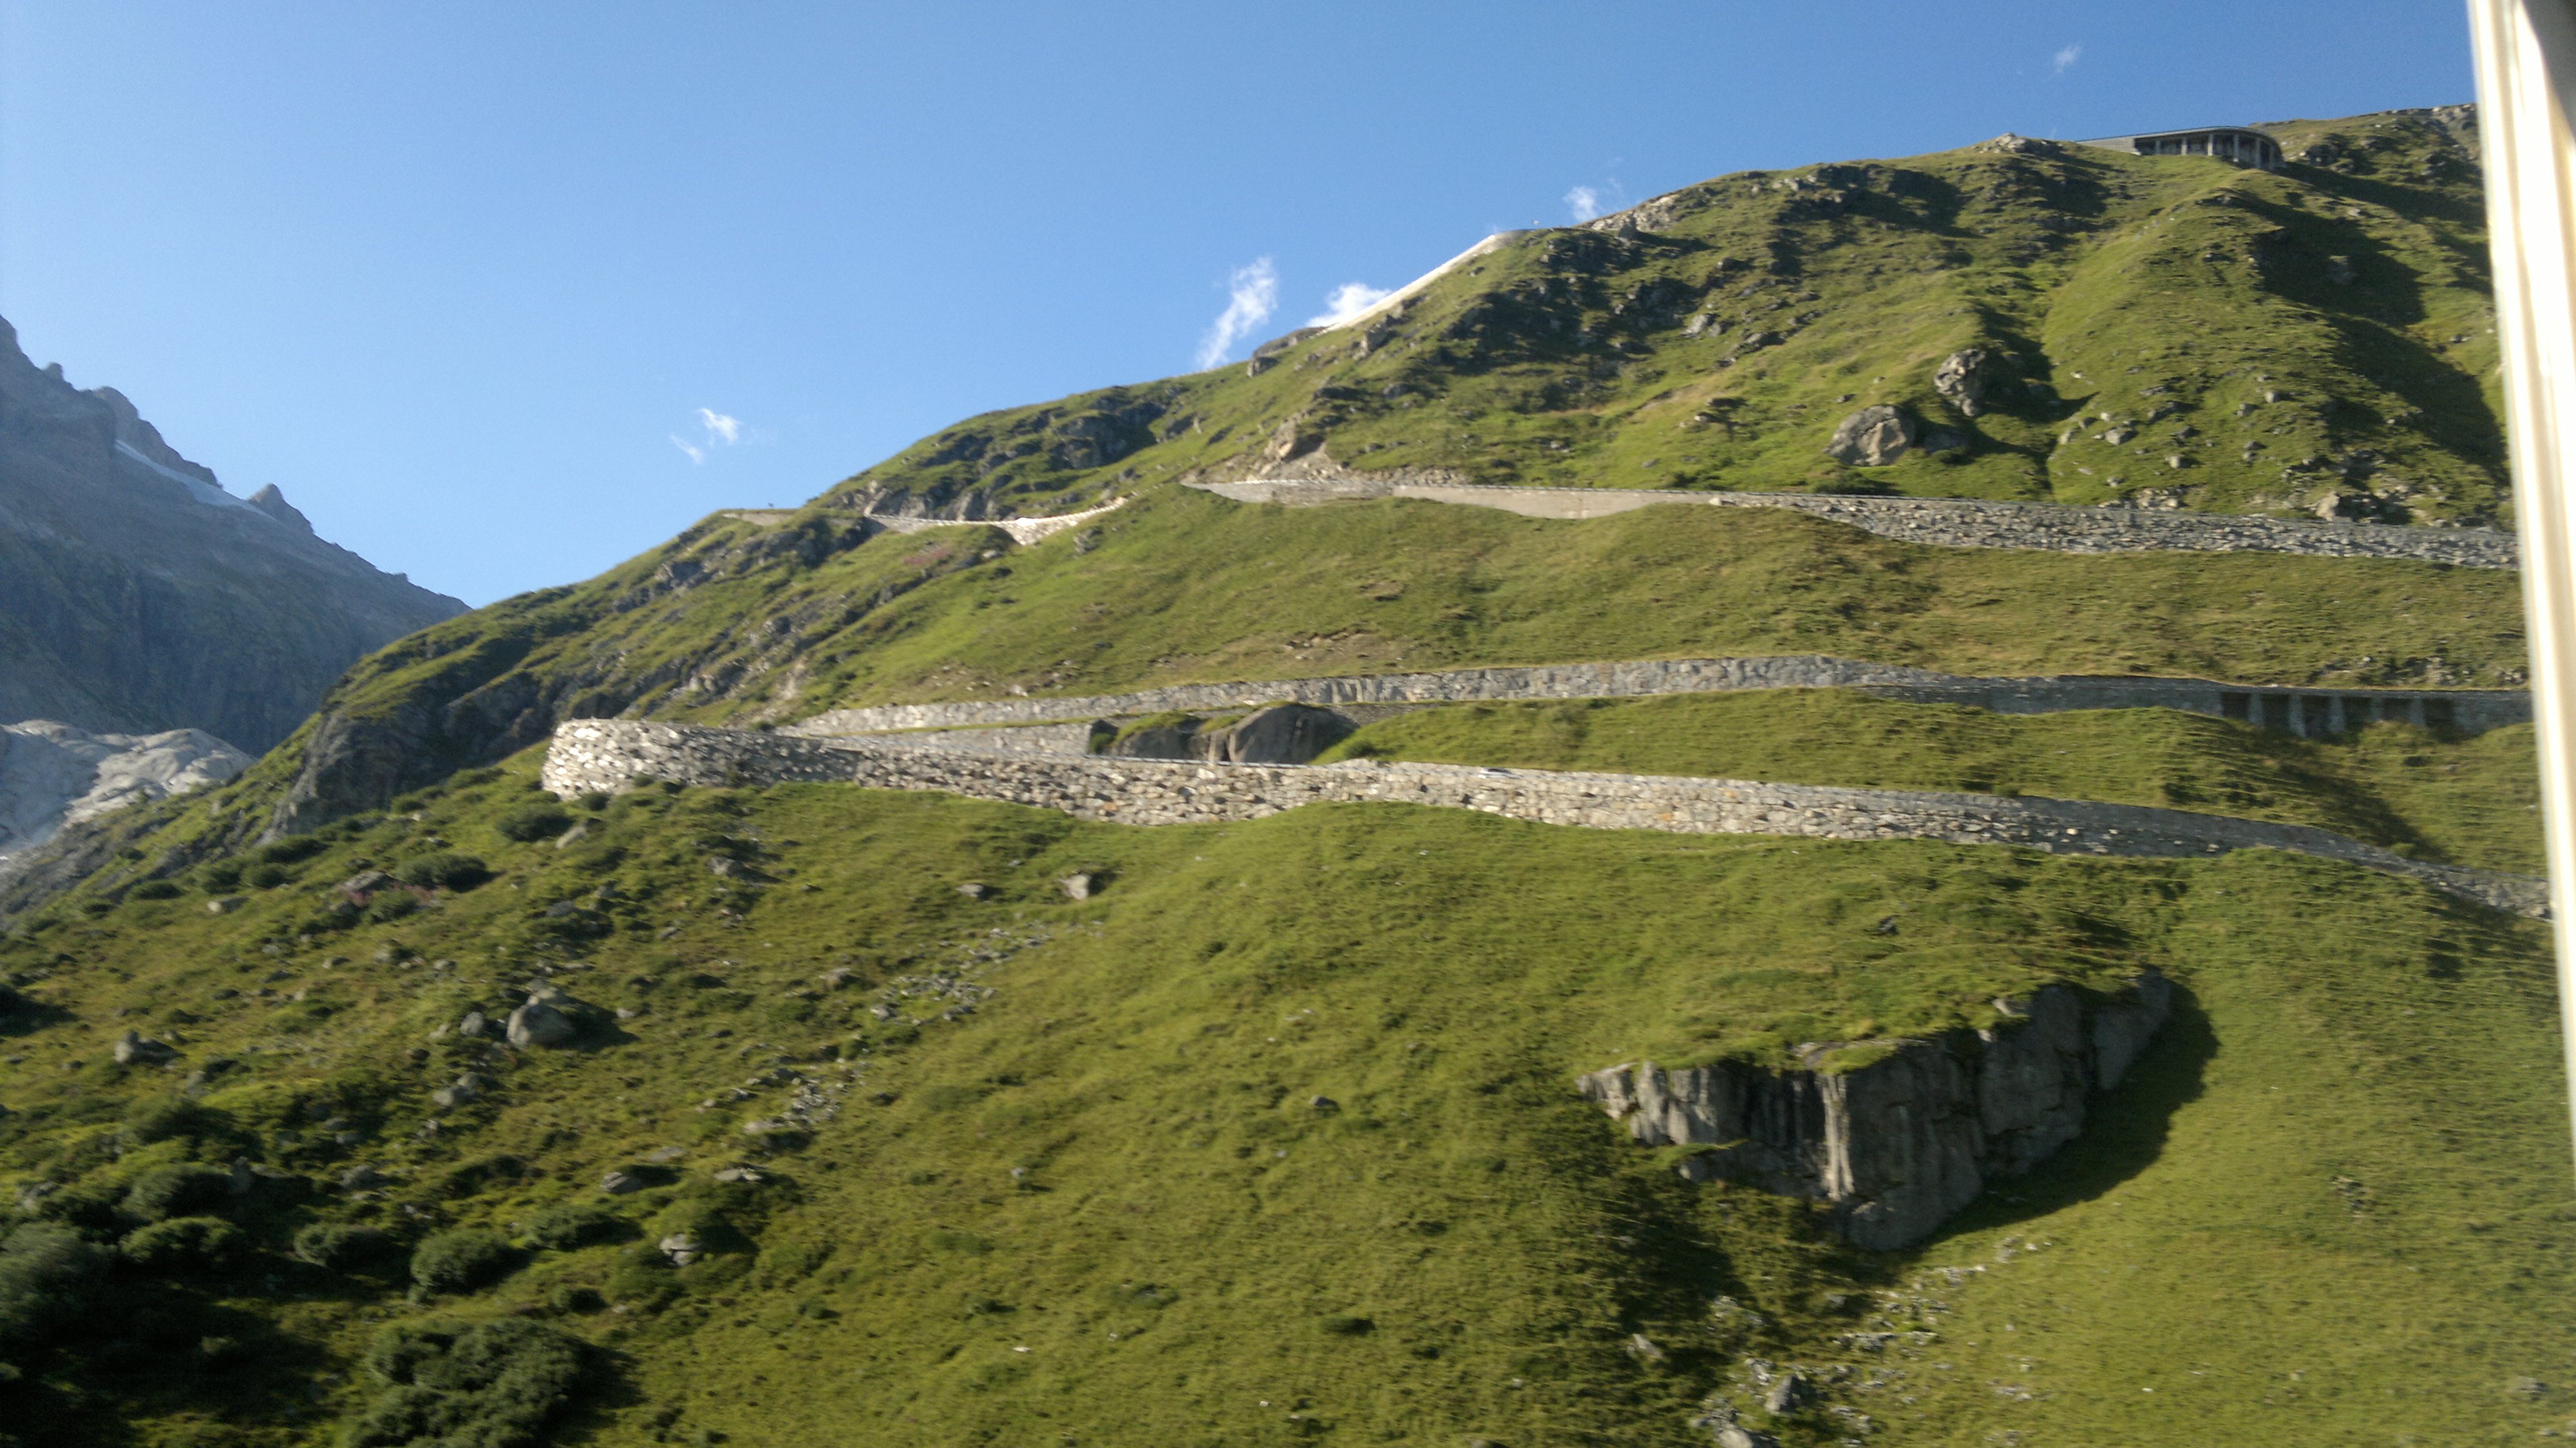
(137,595)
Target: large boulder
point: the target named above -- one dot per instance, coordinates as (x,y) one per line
(1284,734)
(544,1022)
(1872,437)
(1964,377)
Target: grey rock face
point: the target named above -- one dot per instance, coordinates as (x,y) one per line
(152,599)
(52,774)
(1963,378)
(1898,1145)
(1872,437)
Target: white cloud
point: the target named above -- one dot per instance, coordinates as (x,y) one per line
(1584,202)
(715,430)
(1347,301)
(2058,63)
(1253,296)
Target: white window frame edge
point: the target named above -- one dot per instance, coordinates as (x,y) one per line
(2526,67)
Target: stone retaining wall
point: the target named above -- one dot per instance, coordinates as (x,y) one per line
(1951,522)
(611,754)
(2303,711)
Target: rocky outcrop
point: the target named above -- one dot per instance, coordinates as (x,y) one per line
(1963,378)
(1897,1143)
(52,775)
(1872,437)
(137,596)
(1279,734)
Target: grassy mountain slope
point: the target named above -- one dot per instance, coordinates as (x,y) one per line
(2323,1209)
(2471,802)
(2258,343)
(734,624)
(1114,1159)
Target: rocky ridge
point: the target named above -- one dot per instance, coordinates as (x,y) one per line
(137,596)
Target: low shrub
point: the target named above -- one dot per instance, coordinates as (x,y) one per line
(462,1260)
(576,1224)
(444,871)
(150,1121)
(492,1385)
(532,822)
(47,1274)
(390,906)
(154,890)
(291,849)
(220,876)
(341,1246)
(184,1244)
(267,876)
(573,1297)
(185,1190)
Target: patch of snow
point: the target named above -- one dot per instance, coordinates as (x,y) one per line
(1414,288)
(52,774)
(199,489)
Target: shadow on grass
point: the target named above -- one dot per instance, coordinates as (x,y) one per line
(2124,1130)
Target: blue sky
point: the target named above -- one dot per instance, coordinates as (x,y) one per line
(502,294)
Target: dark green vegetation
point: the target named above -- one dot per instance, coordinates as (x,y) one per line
(1092,1130)
(2320,333)
(2471,802)
(1275,1137)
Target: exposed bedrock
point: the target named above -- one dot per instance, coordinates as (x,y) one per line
(1896,1146)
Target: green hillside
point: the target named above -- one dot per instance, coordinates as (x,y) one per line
(1115,1162)
(1274,1136)
(2260,342)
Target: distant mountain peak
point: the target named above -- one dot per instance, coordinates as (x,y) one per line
(272,502)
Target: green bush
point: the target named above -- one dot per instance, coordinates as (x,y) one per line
(574,1297)
(267,876)
(444,871)
(576,1224)
(532,822)
(184,1244)
(150,1121)
(220,876)
(185,1190)
(291,849)
(341,1246)
(492,1385)
(154,890)
(462,1260)
(47,1272)
(390,906)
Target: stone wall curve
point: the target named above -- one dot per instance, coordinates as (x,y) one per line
(1948,522)
(615,754)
